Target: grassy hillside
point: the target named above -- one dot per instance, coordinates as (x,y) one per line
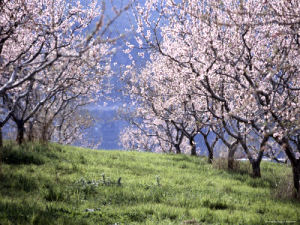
(66,185)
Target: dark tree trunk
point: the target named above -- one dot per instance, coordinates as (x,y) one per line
(256,163)
(193,147)
(256,169)
(230,163)
(210,148)
(44,135)
(295,163)
(231,152)
(177,148)
(30,132)
(20,132)
(296,178)
(1,145)
(1,138)
(210,156)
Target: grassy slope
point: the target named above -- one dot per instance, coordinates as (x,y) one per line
(64,185)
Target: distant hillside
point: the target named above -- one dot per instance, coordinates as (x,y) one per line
(54,184)
(106,128)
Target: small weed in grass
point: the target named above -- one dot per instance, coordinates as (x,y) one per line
(106,181)
(54,194)
(135,216)
(67,168)
(82,159)
(227,189)
(190,222)
(218,205)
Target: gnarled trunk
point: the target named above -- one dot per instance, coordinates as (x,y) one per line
(295,163)
(1,145)
(256,169)
(1,138)
(30,132)
(20,132)
(210,156)
(210,148)
(296,178)
(45,133)
(255,163)
(230,158)
(177,149)
(193,147)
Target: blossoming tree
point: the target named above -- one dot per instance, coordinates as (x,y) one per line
(51,50)
(243,56)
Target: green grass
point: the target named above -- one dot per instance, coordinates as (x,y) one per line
(53,184)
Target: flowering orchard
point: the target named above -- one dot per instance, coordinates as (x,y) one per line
(228,66)
(54,55)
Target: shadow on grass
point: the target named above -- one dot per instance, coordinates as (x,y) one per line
(17,182)
(25,213)
(28,153)
(19,155)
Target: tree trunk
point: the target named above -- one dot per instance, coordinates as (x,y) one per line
(210,148)
(1,138)
(20,132)
(1,145)
(231,152)
(177,148)
(230,163)
(256,169)
(44,135)
(231,160)
(295,163)
(210,156)
(296,178)
(256,163)
(30,131)
(193,147)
